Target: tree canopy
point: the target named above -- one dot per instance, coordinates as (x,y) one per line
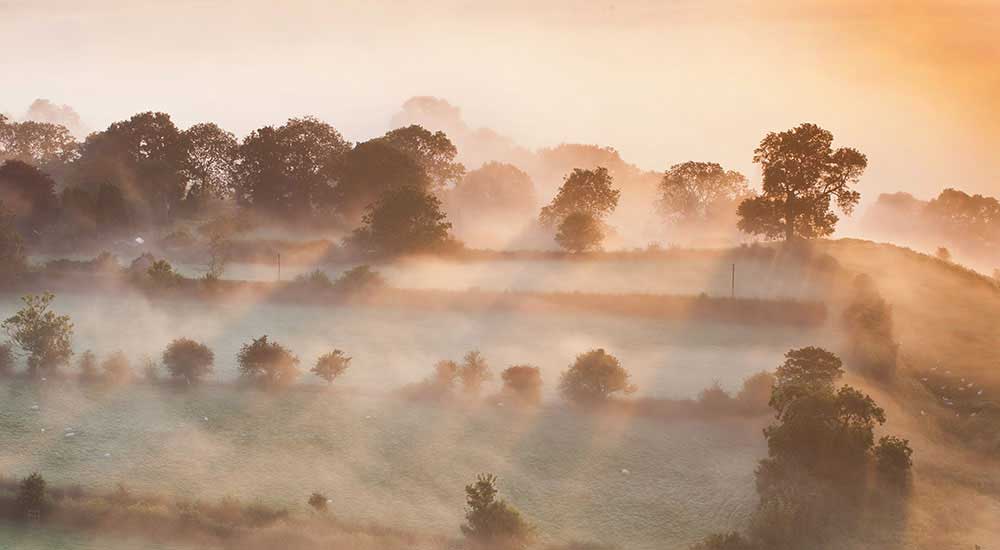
(694,193)
(594,377)
(42,334)
(802,176)
(405,220)
(433,151)
(580,232)
(491,521)
(30,196)
(188,360)
(587,191)
(267,363)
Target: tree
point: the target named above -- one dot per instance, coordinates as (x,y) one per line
(405,220)
(39,332)
(969,219)
(802,175)
(112,213)
(162,275)
(698,193)
(494,189)
(491,521)
(188,360)
(287,172)
(446,372)
(580,232)
(893,458)
(318,501)
(6,359)
(594,377)
(116,368)
(145,158)
(868,322)
(523,381)
(331,365)
(31,495)
(433,151)
(359,280)
(474,372)
(43,144)
(87,365)
(210,165)
(370,171)
(808,370)
(12,255)
(587,191)
(30,196)
(268,364)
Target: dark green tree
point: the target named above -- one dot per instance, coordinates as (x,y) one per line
(803,175)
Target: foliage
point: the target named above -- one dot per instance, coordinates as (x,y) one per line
(474,372)
(331,365)
(580,232)
(433,151)
(266,363)
(162,275)
(12,256)
(803,174)
(594,377)
(492,521)
(493,189)
(30,195)
(211,159)
(87,365)
(404,220)
(370,171)
(359,280)
(318,502)
(188,360)
(698,192)
(43,144)
(315,279)
(893,458)
(31,494)
(868,322)
(524,381)
(40,333)
(6,359)
(806,371)
(116,368)
(587,191)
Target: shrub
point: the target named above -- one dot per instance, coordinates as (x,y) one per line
(594,377)
(715,399)
(87,364)
(318,501)
(893,458)
(317,280)
(188,360)
(523,381)
(116,368)
(31,495)
(43,335)
(6,359)
(580,232)
(756,392)
(162,275)
(331,365)
(359,280)
(491,521)
(474,372)
(267,363)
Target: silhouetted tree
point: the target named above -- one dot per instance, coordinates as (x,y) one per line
(12,256)
(44,336)
(31,495)
(331,365)
(474,372)
(699,193)
(144,157)
(803,174)
(212,159)
(288,172)
(893,458)
(491,521)
(433,151)
(371,171)
(973,220)
(268,364)
(29,194)
(580,232)
(48,146)
(404,221)
(112,213)
(524,381)
(188,360)
(594,377)
(587,191)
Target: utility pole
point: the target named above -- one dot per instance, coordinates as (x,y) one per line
(734,282)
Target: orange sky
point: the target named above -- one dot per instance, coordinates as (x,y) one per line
(913,84)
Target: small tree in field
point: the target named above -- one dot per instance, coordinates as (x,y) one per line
(39,332)
(116,369)
(580,232)
(318,501)
(491,521)
(188,360)
(31,495)
(267,363)
(331,365)
(524,381)
(587,191)
(87,364)
(162,275)
(474,372)
(594,377)
(6,360)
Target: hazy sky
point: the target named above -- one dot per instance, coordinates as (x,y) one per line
(915,85)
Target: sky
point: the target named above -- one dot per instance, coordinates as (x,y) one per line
(915,85)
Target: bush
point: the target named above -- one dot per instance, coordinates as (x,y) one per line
(490,521)
(6,359)
(359,280)
(267,363)
(756,392)
(580,232)
(474,372)
(31,495)
(87,364)
(188,360)
(162,275)
(524,381)
(594,377)
(331,365)
(43,335)
(116,369)
(317,280)
(893,458)
(318,501)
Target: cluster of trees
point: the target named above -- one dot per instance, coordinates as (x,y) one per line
(578,211)
(820,450)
